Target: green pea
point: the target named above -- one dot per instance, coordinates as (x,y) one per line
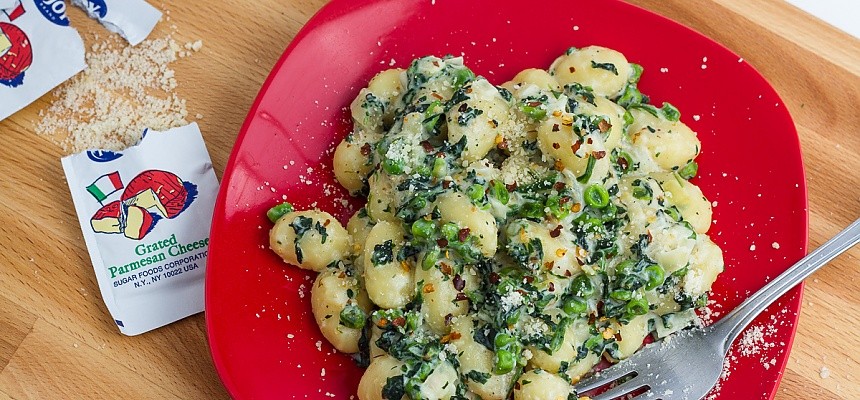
(423,228)
(450,231)
(393,167)
(503,340)
(440,167)
(534,112)
(637,307)
(642,193)
(621,294)
(504,362)
(575,306)
(596,196)
(625,267)
(275,213)
(582,286)
(475,192)
(655,275)
(689,171)
(462,76)
(500,192)
(430,259)
(631,282)
(352,317)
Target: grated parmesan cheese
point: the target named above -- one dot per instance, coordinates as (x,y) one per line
(123,91)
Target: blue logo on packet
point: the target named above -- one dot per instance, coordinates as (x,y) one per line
(54,11)
(103,155)
(96,8)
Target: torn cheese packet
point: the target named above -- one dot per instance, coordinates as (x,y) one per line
(132,19)
(145,213)
(38,51)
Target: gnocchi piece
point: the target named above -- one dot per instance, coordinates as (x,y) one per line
(556,255)
(478,120)
(439,297)
(706,263)
(671,144)
(329,296)
(604,70)
(632,335)
(372,108)
(380,205)
(389,282)
(376,375)
(574,336)
(612,114)
(557,139)
(538,384)
(352,163)
(457,208)
(694,207)
(671,244)
(441,384)
(532,76)
(309,239)
(473,356)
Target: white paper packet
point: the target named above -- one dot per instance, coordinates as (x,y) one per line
(145,214)
(132,19)
(38,51)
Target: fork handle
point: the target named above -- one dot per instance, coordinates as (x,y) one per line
(736,321)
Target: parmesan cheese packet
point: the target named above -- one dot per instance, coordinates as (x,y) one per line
(38,51)
(145,213)
(132,19)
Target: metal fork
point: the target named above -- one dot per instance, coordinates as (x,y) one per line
(688,364)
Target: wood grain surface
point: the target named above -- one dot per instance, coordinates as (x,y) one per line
(57,340)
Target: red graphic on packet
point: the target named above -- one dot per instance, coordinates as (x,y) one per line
(149,197)
(16,52)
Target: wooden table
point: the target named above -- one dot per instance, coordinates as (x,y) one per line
(58,341)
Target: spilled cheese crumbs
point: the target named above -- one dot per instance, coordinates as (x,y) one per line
(123,91)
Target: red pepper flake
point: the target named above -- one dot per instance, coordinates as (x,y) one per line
(382,323)
(463,234)
(622,162)
(618,336)
(555,127)
(463,107)
(555,232)
(562,201)
(549,265)
(365,150)
(469,90)
(517,383)
(558,186)
(528,279)
(446,184)
(503,145)
(442,242)
(495,278)
(511,187)
(451,336)
(461,297)
(437,96)
(572,69)
(327,221)
(448,318)
(589,141)
(556,146)
(534,104)
(445,268)
(439,154)
(428,288)
(558,165)
(493,123)
(604,126)
(458,282)
(576,145)
(435,63)
(399,321)
(567,273)
(598,154)
(592,319)
(552,287)
(650,238)
(427,146)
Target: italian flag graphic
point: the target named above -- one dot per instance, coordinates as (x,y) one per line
(105,185)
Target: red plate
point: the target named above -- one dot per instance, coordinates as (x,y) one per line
(264,341)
